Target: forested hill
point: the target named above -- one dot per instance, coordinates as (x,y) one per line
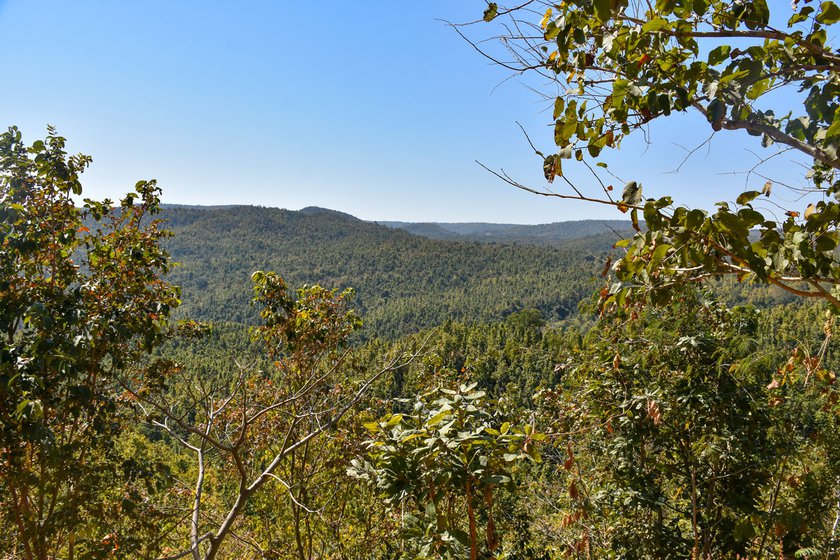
(555,234)
(403,282)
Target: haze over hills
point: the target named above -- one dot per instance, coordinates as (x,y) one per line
(404,282)
(555,233)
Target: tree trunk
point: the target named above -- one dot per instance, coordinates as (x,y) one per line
(473,530)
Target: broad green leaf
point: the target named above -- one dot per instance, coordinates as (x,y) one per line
(394,420)
(412,437)
(372,426)
(438,418)
(694,219)
(834,129)
(603,9)
(659,254)
(559,106)
(747,197)
(655,24)
(829,13)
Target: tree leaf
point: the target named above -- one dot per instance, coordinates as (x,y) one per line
(491,12)
(632,194)
(829,13)
(747,197)
(655,24)
(834,129)
(719,54)
(767,188)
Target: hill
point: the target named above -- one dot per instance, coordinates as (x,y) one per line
(404,282)
(554,234)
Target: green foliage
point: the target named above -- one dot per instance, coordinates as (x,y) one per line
(623,65)
(687,430)
(316,321)
(264,441)
(508,360)
(445,457)
(81,297)
(693,440)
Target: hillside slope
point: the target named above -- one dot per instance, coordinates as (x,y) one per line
(403,282)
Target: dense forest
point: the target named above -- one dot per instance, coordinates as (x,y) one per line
(403,282)
(467,400)
(242,382)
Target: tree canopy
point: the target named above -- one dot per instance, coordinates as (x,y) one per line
(82,296)
(685,429)
(623,64)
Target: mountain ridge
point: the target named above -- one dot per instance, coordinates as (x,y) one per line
(542,234)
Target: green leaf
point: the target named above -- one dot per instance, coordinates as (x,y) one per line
(620,87)
(827,242)
(829,13)
(760,15)
(758,89)
(800,16)
(603,9)
(559,105)
(654,25)
(747,197)
(694,219)
(437,418)
(726,78)
(21,408)
(659,254)
(372,426)
(498,479)
(818,37)
(491,12)
(834,129)
(750,217)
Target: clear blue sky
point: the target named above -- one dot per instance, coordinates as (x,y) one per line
(369,107)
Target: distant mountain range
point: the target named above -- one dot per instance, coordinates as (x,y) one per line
(543,234)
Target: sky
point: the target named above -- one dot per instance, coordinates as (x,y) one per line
(376,108)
